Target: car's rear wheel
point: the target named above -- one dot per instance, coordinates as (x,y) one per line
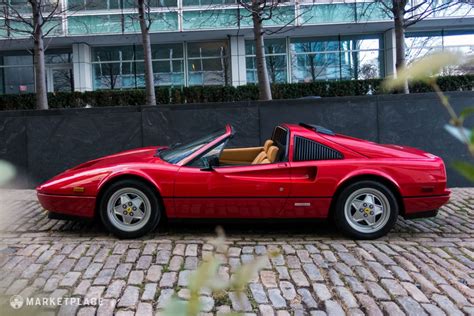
(366,210)
(129,209)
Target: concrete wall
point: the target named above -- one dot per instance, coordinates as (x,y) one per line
(44,143)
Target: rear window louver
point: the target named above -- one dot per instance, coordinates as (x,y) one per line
(306,149)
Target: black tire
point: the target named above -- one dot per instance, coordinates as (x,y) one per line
(146,190)
(343,223)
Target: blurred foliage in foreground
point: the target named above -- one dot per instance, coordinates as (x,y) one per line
(207,277)
(425,71)
(7,172)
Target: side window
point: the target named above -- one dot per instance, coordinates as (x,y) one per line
(306,149)
(199,162)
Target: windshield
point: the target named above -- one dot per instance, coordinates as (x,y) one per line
(175,154)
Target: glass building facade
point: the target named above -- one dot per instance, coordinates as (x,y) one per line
(210,42)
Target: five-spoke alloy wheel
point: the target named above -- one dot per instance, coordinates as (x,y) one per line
(366,210)
(129,209)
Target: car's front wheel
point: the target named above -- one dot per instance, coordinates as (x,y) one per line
(129,209)
(366,210)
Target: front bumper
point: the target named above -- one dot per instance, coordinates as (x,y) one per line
(81,206)
(422,206)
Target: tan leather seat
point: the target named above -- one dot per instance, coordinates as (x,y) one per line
(272,153)
(260,157)
(267,145)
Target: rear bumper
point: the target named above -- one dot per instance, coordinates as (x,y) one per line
(421,206)
(80,206)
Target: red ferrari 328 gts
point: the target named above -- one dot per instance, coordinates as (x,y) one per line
(303,171)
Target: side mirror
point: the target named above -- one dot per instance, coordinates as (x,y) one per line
(210,163)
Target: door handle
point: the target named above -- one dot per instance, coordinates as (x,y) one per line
(282,164)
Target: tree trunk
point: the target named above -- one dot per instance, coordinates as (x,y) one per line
(38,57)
(265,92)
(149,80)
(398,14)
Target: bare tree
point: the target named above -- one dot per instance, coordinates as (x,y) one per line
(261,11)
(406,13)
(145,20)
(43,18)
(257,8)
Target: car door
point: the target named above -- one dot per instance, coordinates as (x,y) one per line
(311,165)
(251,191)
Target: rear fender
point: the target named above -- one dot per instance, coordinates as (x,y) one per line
(368,172)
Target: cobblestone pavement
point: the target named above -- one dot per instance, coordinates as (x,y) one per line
(422,267)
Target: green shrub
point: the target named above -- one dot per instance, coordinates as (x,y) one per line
(199,94)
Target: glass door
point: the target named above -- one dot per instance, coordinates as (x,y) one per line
(60,79)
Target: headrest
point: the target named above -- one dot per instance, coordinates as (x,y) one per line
(267,145)
(272,153)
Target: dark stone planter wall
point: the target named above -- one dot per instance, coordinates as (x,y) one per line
(44,143)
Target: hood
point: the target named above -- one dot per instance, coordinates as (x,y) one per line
(374,150)
(145,154)
(89,174)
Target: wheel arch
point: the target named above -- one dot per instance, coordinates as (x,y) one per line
(106,183)
(388,182)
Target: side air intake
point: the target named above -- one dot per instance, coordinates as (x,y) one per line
(306,149)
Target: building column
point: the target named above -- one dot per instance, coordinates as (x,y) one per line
(82,67)
(390,52)
(237,60)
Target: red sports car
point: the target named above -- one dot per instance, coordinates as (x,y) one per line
(303,171)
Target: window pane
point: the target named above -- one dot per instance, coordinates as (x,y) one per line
(272,46)
(168,73)
(360,65)
(58,57)
(18,80)
(95,24)
(419,45)
(326,59)
(309,45)
(282,15)
(167,51)
(161,21)
(328,13)
(459,39)
(93,4)
(208,49)
(114,75)
(208,63)
(276,67)
(63,80)
(311,67)
(152,3)
(373,11)
(113,53)
(206,2)
(210,19)
(17,74)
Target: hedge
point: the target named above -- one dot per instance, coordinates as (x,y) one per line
(223,94)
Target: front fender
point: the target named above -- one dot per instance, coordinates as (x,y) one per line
(74,183)
(130,173)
